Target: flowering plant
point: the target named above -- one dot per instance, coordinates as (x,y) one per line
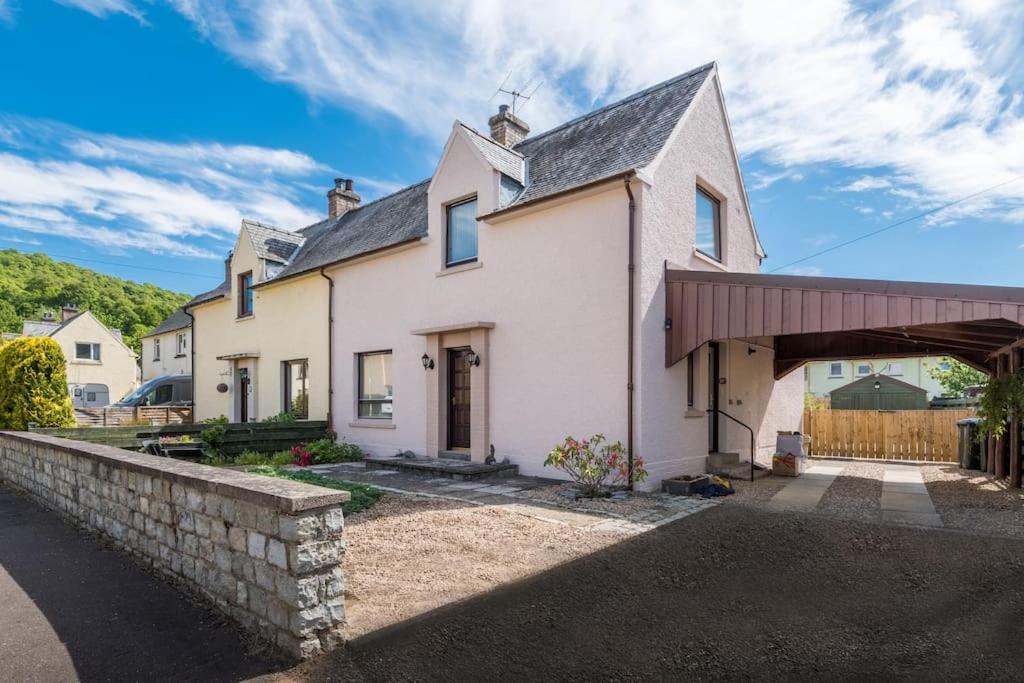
(301,456)
(176,439)
(592,464)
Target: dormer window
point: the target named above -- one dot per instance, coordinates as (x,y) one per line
(460,238)
(709,225)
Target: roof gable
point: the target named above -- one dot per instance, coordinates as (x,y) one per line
(271,243)
(178,320)
(882,380)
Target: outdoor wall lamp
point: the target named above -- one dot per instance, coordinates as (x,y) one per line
(878,385)
(473,358)
(428,362)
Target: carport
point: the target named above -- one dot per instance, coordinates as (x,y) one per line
(816,318)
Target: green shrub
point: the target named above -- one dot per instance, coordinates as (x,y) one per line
(251,458)
(326,451)
(285,417)
(213,436)
(33,385)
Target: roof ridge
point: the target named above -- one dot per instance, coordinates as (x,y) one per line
(363,206)
(625,100)
(267,226)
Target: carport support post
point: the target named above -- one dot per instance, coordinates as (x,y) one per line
(1014,428)
(999,470)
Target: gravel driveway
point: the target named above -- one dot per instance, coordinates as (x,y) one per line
(732,592)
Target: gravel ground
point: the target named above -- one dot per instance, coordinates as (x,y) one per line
(857,492)
(408,555)
(633,504)
(733,592)
(757,492)
(974,501)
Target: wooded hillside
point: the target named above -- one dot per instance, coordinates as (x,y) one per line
(33,283)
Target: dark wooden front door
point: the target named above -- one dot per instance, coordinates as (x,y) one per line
(458,398)
(243,395)
(714,383)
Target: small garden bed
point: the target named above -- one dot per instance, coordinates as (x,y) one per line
(363,495)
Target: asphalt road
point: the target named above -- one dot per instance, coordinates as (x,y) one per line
(72,609)
(732,593)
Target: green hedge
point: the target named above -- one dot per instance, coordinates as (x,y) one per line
(34,385)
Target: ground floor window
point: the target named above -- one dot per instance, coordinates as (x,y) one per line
(375,385)
(296,388)
(689,380)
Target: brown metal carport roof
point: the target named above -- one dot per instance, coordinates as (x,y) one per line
(817,318)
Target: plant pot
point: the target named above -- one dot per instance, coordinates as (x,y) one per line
(685,485)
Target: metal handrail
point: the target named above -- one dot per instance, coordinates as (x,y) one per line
(747,427)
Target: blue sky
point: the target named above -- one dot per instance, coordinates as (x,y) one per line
(138,133)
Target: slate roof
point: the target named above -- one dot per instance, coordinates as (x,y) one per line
(175,321)
(46,328)
(498,156)
(620,137)
(272,243)
(623,136)
(386,222)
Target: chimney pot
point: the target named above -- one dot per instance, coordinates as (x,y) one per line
(348,185)
(338,182)
(67,312)
(227,268)
(506,128)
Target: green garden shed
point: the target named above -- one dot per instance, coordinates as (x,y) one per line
(879,392)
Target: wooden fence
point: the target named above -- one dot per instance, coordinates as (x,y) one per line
(150,415)
(929,435)
(265,437)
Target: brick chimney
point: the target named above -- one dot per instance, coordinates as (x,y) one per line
(227,267)
(342,198)
(67,312)
(508,129)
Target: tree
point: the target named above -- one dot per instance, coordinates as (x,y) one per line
(957,377)
(33,385)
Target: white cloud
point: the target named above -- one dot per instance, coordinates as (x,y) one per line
(762,180)
(6,12)
(866,183)
(161,197)
(806,271)
(819,240)
(102,8)
(923,89)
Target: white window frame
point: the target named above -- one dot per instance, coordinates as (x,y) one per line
(717,203)
(863,365)
(156,349)
(181,344)
(833,375)
(95,354)
(387,403)
(894,369)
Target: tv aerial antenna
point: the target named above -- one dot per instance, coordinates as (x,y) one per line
(523,94)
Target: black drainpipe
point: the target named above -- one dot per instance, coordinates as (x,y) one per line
(330,348)
(630,318)
(192,355)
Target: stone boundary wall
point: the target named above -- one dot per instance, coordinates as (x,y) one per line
(265,551)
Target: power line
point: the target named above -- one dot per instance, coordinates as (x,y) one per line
(127,265)
(897,224)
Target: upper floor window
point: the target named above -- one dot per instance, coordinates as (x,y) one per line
(87,351)
(863,369)
(375,389)
(182,341)
(156,349)
(460,240)
(709,225)
(245,295)
(835,369)
(895,369)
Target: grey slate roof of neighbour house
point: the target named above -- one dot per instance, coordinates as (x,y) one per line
(503,159)
(618,138)
(38,328)
(386,222)
(623,136)
(177,320)
(272,243)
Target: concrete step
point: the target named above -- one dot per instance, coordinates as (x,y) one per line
(723,459)
(462,470)
(740,471)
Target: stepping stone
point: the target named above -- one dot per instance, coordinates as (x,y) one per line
(806,491)
(500,489)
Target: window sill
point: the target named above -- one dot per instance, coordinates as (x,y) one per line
(244,317)
(180,355)
(83,361)
(460,268)
(372,424)
(709,259)
(693,412)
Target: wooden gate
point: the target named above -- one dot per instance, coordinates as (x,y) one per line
(929,435)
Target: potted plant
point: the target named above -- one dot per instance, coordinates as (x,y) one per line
(685,485)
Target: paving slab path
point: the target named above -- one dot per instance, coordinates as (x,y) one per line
(72,609)
(905,498)
(805,492)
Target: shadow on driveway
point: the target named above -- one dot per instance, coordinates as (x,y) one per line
(71,609)
(732,592)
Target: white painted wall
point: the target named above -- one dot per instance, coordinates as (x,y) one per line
(169,362)
(553,282)
(820,381)
(116,368)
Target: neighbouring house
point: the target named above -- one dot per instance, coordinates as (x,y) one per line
(167,348)
(100,367)
(516,296)
(261,342)
(824,377)
(879,392)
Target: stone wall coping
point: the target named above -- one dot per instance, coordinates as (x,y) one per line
(280,494)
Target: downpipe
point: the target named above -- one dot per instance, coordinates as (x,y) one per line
(330,348)
(630,334)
